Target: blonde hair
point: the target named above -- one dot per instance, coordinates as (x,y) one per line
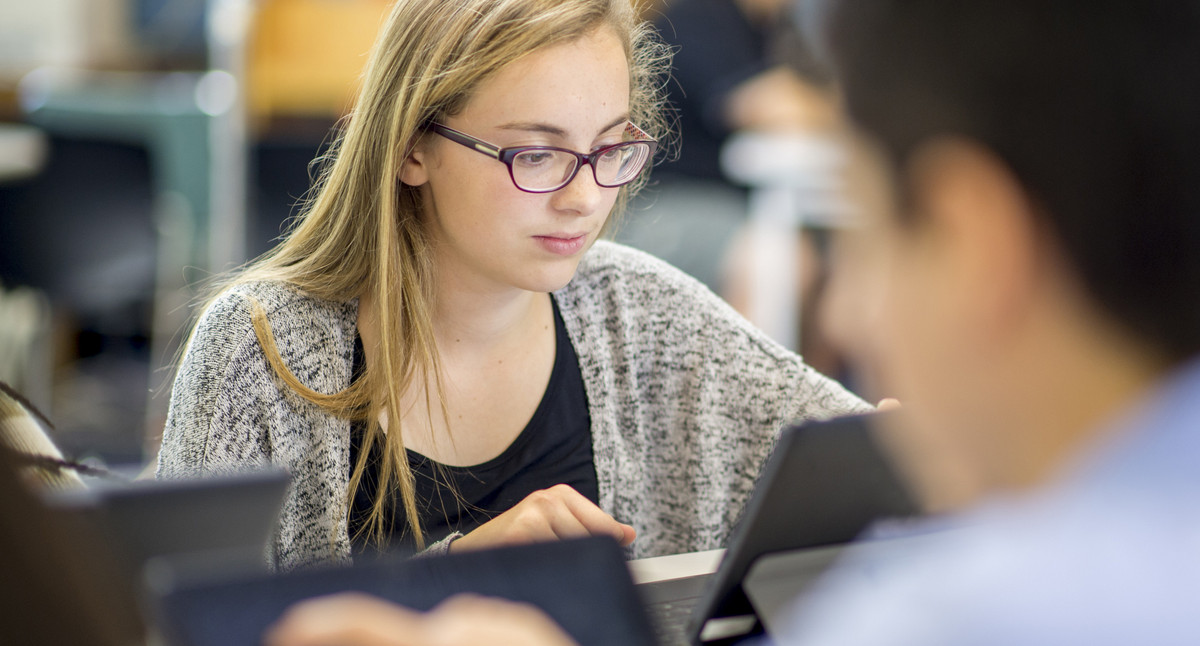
(361,230)
(26,432)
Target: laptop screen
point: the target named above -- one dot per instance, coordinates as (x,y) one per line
(823,485)
(230,517)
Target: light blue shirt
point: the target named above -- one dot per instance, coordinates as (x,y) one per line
(1109,554)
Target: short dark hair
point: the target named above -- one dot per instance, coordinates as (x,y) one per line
(1094,106)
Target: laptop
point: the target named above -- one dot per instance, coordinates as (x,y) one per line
(224,520)
(581,584)
(824,484)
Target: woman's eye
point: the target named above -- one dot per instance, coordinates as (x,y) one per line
(612,154)
(534,157)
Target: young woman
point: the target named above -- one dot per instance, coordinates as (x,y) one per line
(442,352)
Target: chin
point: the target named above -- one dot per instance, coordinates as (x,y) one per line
(553,278)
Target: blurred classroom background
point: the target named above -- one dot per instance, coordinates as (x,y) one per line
(147,144)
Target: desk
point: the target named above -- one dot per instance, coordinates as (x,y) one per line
(675,566)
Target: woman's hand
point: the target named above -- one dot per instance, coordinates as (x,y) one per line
(356,619)
(550,514)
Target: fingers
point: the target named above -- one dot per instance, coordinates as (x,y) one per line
(353,619)
(468,619)
(571,515)
(345,619)
(628,535)
(591,518)
(888,404)
(556,513)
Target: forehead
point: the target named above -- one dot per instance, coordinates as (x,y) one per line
(578,86)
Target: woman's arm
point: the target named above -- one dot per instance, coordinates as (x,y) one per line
(216,399)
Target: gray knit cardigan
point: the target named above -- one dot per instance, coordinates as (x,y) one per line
(686,399)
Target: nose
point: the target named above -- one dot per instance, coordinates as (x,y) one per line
(582,195)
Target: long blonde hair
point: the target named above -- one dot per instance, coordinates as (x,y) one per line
(361,230)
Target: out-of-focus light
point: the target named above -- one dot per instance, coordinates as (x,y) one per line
(216,93)
(33,90)
(228,21)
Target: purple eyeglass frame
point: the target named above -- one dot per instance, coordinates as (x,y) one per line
(506,155)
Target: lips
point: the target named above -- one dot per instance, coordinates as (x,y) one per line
(563,244)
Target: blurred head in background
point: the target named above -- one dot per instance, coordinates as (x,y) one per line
(1033,255)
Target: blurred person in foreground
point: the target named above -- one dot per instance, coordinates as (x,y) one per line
(58,582)
(1031,297)
(1028,283)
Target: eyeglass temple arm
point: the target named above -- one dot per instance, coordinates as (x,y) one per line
(637,134)
(465,140)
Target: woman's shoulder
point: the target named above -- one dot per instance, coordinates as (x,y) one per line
(297,320)
(276,297)
(283,303)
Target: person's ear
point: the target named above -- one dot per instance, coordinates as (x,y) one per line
(984,227)
(415,171)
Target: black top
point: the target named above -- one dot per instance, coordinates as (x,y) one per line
(555,447)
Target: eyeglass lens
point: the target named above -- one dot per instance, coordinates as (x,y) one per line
(542,169)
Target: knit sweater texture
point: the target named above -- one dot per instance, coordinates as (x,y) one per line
(686,400)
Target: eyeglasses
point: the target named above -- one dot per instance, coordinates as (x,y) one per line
(545,169)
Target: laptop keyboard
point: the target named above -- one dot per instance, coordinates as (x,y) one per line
(670,621)
(669,604)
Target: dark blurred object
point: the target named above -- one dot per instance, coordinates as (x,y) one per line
(81,232)
(57,585)
(222,522)
(282,157)
(596,603)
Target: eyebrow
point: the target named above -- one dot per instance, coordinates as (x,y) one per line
(530,126)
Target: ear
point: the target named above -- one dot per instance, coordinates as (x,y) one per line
(980,217)
(415,171)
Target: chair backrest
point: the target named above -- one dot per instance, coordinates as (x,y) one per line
(304,57)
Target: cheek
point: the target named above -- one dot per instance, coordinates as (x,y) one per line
(922,364)
(852,297)
(925,362)
(867,312)
(910,334)
(605,209)
(465,201)
(888,312)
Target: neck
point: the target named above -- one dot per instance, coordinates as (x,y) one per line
(469,321)
(478,320)
(1084,377)
(471,329)
(470,317)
